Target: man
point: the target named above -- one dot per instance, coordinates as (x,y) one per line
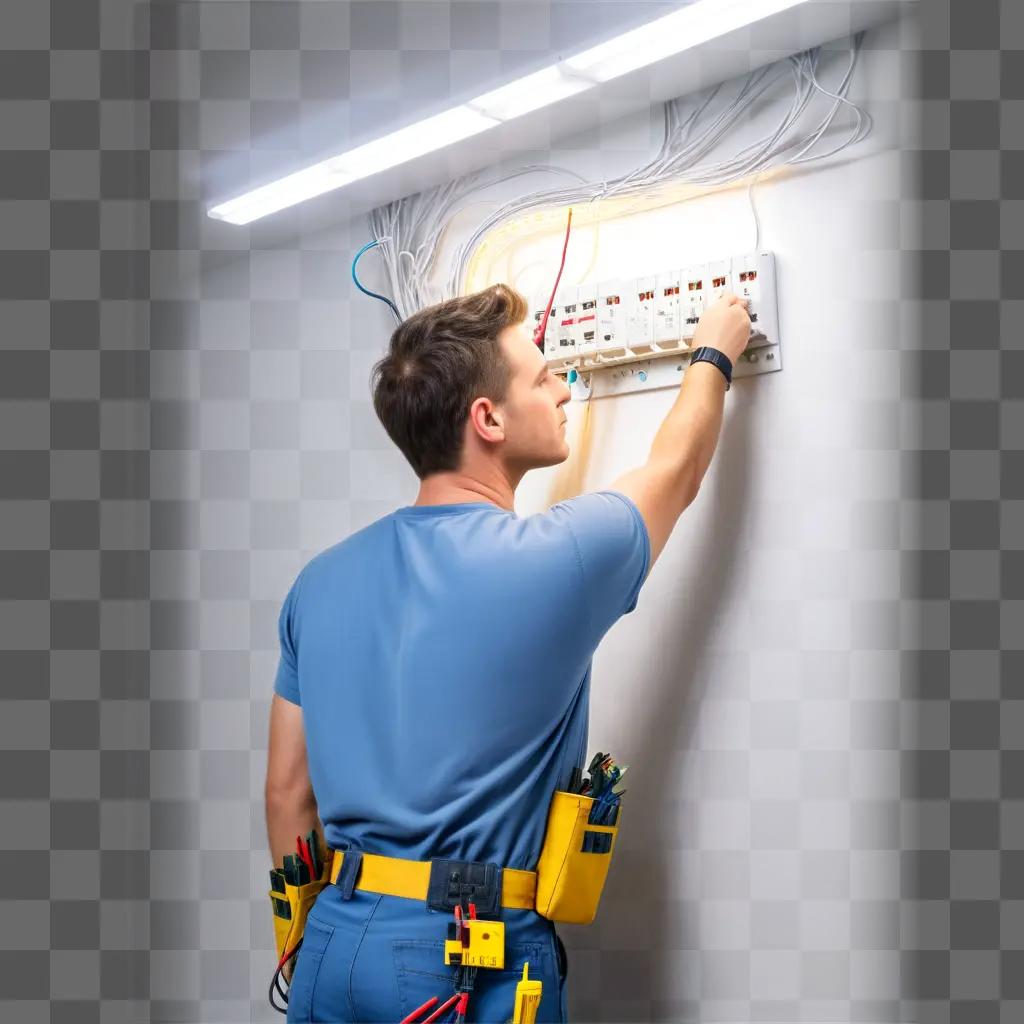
(433,686)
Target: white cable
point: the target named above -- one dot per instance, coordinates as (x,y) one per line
(422,220)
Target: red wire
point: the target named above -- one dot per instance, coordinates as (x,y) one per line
(286,956)
(543,326)
(441,1009)
(415,1013)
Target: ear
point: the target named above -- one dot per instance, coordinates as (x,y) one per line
(487,420)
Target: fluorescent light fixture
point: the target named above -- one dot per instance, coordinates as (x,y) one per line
(405,144)
(681,30)
(549,85)
(304,184)
(408,143)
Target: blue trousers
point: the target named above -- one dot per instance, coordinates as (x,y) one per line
(377,958)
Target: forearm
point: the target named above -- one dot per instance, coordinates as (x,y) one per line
(686,440)
(289,815)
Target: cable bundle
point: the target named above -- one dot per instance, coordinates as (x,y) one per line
(411,229)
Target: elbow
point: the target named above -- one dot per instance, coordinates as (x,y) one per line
(288,796)
(672,484)
(689,486)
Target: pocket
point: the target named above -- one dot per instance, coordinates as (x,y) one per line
(315,940)
(574,860)
(421,973)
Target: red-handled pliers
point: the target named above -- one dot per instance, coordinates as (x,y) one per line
(443,1008)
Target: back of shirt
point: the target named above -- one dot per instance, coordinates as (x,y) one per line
(442,657)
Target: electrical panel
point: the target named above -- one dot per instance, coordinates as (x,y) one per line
(641,329)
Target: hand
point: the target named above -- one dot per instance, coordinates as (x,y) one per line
(724,326)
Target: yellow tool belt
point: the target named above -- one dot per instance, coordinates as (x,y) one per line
(566,886)
(393,876)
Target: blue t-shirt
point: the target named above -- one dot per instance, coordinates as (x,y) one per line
(442,656)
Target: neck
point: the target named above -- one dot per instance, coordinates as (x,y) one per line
(458,487)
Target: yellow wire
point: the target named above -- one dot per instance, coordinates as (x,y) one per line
(569,478)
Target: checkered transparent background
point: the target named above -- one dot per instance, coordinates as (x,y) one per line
(172,450)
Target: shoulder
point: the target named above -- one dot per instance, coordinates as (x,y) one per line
(344,554)
(595,510)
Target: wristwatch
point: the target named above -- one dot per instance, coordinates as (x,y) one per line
(711,355)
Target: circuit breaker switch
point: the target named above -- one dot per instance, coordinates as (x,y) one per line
(666,308)
(611,315)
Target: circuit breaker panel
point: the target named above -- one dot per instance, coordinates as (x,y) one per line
(636,334)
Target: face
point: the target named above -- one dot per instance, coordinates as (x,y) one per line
(533,413)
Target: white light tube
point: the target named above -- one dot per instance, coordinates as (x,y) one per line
(304,184)
(408,143)
(681,30)
(405,144)
(549,85)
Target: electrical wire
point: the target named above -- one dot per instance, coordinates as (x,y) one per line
(275,981)
(366,291)
(753,210)
(416,225)
(425,213)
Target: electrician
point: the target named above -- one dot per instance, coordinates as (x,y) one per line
(434,678)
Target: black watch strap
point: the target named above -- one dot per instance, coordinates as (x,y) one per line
(711,355)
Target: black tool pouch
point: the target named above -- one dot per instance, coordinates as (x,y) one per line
(461,882)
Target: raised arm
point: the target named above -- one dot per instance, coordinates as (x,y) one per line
(685,443)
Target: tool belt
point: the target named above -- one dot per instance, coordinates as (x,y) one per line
(566,886)
(439,883)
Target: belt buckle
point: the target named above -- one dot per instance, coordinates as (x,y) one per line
(458,882)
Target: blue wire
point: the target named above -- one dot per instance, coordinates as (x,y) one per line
(366,291)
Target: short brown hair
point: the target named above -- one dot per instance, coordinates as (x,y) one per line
(438,362)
